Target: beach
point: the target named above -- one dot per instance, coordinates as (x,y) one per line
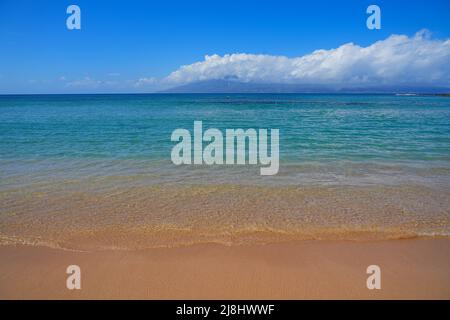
(410,269)
(232,155)
(87,180)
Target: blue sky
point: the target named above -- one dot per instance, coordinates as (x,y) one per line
(123,41)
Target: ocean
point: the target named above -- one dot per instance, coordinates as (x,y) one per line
(94,171)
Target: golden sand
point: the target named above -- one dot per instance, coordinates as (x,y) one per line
(410,269)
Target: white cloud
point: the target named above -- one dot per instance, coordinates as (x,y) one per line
(90,83)
(85,82)
(143,82)
(399,59)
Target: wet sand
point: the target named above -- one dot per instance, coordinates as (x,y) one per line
(411,269)
(175,215)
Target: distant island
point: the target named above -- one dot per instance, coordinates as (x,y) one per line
(234,86)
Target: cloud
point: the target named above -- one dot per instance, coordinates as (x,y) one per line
(85,82)
(397,60)
(143,82)
(90,83)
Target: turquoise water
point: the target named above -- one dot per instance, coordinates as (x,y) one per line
(94,171)
(323,138)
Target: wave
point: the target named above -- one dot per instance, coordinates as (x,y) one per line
(133,239)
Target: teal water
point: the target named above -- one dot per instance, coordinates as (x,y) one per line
(94,171)
(323,138)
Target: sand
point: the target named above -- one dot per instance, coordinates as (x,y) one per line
(410,269)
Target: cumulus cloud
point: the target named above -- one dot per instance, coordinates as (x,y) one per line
(399,59)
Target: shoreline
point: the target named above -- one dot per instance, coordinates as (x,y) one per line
(315,269)
(143,217)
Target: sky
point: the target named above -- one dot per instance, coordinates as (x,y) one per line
(145,46)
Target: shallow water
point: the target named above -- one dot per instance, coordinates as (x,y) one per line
(94,171)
